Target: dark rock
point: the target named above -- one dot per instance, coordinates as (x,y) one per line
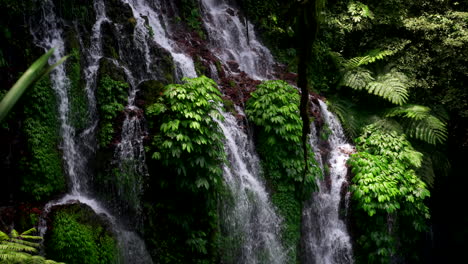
(233,66)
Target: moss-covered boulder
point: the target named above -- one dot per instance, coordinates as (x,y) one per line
(78,235)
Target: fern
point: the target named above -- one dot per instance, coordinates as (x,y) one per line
(391,86)
(420,123)
(357,78)
(14,248)
(370,57)
(351,119)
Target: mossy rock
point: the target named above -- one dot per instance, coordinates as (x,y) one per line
(121,13)
(110,44)
(77,10)
(76,234)
(108,68)
(149,91)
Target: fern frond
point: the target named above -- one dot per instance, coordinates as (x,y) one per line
(386,124)
(368,58)
(421,124)
(3,236)
(13,246)
(351,119)
(391,86)
(24,242)
(434,163)
(29,231)
(357,78)
(13,257)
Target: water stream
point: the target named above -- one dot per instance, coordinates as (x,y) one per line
(326,237)
(233,39)
(76,148)
(251,217)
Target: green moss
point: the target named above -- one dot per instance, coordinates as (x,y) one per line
(290,209)
(77,94)
(79,236)
(150,91)
(42,166)
(111,98)
(76,10)
(273,108)
(199,67)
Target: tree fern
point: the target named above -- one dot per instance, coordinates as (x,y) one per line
(420,123)
(357,78)
(391,86)
(351,119)
(370,57)
(14,248)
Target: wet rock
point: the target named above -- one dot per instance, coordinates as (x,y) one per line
(233,66)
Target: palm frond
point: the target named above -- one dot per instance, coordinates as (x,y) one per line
(420,123)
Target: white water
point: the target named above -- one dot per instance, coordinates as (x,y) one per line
(235,40)
(151,11)
(327,239)
(252,217)
(48,34)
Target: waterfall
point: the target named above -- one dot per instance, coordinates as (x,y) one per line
(148,15)
(251,218)
(235,41)
(78,148)
(325,233)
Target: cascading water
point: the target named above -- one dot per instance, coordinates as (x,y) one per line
(234,40)
(326,237)
(251,218)
(148,16)
(77,148)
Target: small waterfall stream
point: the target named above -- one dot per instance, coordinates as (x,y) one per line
(76,148)
(251,217)
(233,39)
(326,236)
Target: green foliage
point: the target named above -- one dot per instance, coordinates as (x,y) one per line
(386,186)
(74,239)
(191,15)
(274,109)
(111,98)
(42,167)
(392,86)
(77,93)
(420,123)
(33,73)
(18,248)
(189,140)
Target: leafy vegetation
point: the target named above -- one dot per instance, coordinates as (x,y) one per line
(274,109)
(386,187)
(187,128)
(111,97)
(19,248)
(187,153)
(42,166)
(79,237)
